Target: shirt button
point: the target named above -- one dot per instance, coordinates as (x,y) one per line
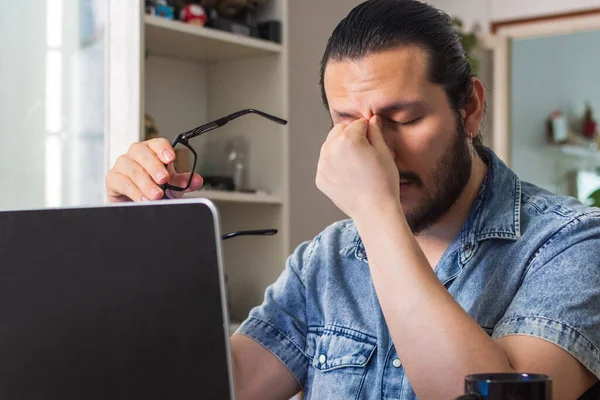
(396,363)
(322,358)
(467,246)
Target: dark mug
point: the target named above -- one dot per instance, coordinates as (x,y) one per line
(509,386)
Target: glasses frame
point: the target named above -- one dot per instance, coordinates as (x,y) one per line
(183,139)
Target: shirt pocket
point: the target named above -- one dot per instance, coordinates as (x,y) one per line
(339,359)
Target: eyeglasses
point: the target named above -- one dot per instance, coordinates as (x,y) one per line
(183,140)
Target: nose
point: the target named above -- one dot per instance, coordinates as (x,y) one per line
(389,136)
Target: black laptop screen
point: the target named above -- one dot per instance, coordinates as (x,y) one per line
(111,303)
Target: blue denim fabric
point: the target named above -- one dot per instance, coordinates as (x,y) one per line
(526,262)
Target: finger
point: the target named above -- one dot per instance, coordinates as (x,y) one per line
(121,185)
(358,127)
(139,176)
(149,160)
(110,181)
(197,182)
(174,194)
(163,149)
(171,169)
(375,134)
(181,180)
(176,179)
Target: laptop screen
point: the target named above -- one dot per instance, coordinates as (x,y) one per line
(113,302)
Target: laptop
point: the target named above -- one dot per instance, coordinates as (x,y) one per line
(114,302)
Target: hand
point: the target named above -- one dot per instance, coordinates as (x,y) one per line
(137,175)
(357,170)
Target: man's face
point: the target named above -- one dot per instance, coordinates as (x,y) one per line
(423,132)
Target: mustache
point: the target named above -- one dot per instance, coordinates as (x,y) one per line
(410,177)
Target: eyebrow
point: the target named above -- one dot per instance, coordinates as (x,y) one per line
(388,109)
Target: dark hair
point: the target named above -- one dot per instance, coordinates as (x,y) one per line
(379,25)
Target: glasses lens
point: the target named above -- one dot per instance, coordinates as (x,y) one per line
(185,161)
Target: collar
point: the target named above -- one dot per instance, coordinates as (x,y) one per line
(495,214)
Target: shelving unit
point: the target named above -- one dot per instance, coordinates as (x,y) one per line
(192,75)
(178,40)
(587,153)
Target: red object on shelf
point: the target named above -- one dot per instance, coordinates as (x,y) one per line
(589,129)
(589,125)
(193,14)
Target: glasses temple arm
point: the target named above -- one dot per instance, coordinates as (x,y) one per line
(238,114)
(196,132)
(223,121)
(259,232)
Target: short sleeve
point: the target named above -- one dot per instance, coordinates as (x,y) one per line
(559,298)
(279,323)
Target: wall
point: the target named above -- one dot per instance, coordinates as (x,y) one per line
(550,73)
(311,23)
(486,11)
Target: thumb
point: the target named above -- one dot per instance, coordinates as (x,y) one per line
(182,180)
(358,127)
(375,135)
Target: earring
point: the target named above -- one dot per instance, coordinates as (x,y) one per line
(471,147)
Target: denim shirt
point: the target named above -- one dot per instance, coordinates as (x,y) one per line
(526,262)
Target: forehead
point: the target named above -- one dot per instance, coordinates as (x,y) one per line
(400,73)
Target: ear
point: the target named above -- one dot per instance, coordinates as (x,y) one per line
(475,108)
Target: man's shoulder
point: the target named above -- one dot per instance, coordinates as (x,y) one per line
(539,202)
(338,235)
(339,230)
(338,238)
(545,213)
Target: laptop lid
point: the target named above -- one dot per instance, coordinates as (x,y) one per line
(114,302)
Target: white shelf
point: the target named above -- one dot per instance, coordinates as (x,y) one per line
(170,38)
(194,74)
(580,152)
(235,197)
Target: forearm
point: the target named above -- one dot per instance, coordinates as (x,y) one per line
(437,341)
(258,374)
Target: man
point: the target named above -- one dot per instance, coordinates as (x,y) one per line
(449,265)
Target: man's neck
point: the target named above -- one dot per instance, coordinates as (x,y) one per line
(435,240)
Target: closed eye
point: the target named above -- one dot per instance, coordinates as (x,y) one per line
(412,122)
(406,123)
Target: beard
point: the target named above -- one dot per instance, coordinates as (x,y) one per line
(450,176)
